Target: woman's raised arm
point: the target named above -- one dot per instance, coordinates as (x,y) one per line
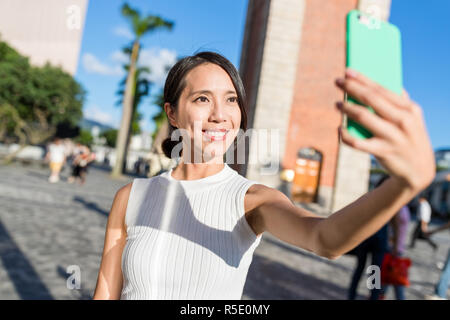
(400,143)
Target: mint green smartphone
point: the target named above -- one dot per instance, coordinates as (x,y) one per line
(374,49)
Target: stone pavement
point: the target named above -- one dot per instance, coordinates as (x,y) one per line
(45,228)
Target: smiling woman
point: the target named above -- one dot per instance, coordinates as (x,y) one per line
(228,88)
(190,232)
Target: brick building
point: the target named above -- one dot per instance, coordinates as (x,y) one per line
(292,52)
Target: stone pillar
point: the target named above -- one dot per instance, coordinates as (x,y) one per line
(275,89)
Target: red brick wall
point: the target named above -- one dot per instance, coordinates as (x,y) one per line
(314,119)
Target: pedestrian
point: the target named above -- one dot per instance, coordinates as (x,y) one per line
(423,219)
(56,157)
(375,246)
(399,230)
(440,291)
(80,165)
(190,232)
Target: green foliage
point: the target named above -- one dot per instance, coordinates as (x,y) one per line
(85,138)
(142,25)
(111,137)
(142,89)
(378,171)
(42,97)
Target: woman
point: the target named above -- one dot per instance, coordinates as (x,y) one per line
(57,158)
(190,232)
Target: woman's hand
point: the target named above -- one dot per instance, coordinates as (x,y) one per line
(400,141)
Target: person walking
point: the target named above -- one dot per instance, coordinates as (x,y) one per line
(80,165)
(423,219)
(399,230)
(376,246)
(56,158)
(190,232)
(440,291)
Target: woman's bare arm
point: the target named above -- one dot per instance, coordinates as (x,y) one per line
(109,281)
(329,237)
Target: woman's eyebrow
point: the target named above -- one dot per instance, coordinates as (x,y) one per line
(210,92)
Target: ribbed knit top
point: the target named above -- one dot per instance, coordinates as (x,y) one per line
(187,239)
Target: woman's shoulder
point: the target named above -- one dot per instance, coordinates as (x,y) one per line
(124,192)
(259,193)
(119,206)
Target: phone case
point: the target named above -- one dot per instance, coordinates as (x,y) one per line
(374,49)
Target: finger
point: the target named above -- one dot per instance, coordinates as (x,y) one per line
(367,96)
(372,145)
(378,126)
(399,100)
(405,94)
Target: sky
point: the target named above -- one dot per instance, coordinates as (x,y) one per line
(219,26)
(208,25)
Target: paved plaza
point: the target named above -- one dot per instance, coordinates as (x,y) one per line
(46,228)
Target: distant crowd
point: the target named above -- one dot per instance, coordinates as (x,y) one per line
(62,152)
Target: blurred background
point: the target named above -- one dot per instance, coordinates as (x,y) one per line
(82,80)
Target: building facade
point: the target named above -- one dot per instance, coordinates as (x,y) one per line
(292,52)
(45,30)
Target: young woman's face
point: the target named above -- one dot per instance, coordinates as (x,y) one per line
(209,112)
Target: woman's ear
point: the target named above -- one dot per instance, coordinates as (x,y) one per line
(170,114)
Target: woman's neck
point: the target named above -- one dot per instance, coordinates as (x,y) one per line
(194,171)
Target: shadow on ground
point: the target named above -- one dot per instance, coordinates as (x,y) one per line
(91,205)
(20,271)
(268,279)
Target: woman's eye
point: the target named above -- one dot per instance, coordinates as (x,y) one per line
(233,99)
(202,99)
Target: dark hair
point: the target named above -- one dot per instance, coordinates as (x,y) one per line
(175,84)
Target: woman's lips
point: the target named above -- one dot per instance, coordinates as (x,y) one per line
(215,135)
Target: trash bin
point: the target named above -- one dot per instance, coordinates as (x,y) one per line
(307,174)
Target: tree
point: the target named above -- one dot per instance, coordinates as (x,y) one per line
(111,137)
(85,138)
(141,89)
(161,122)
(34,100)
(141,26)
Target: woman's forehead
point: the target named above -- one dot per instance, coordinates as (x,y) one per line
(208,77)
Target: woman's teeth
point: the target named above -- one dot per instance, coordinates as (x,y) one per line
(215,135)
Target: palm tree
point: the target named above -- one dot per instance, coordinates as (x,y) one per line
(141,89)
(141,26)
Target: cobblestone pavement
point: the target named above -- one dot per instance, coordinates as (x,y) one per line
(45,228)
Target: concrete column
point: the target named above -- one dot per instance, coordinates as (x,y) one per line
(275,89)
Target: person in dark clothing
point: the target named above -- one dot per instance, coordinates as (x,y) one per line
(423,214)
(377,246)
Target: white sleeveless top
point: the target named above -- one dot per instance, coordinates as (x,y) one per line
(187,239)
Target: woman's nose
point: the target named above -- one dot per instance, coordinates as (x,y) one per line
(217,112)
